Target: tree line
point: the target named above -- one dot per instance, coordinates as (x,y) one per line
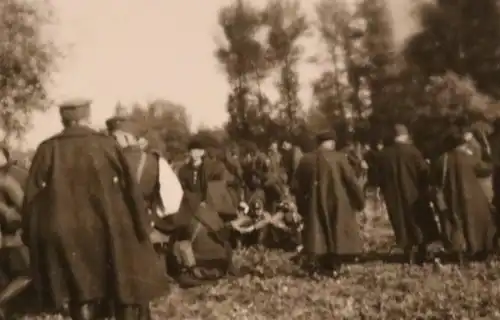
(446,70)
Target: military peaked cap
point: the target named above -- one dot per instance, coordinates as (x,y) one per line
(75,109)
(195,144)
(326,136)
(113,122)
(129,126)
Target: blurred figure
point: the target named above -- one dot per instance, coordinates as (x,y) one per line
(467,225)
(328,198)
(403,178)
(14,256)
(291,155)
(85,224)
(160,186)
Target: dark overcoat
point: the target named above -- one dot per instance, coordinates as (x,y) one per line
(328,198)
(196,184)
(468,224)
(85,224)
(403,178)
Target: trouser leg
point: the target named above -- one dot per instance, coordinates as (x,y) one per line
(83,311)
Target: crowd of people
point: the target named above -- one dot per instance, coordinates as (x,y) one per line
(102,223)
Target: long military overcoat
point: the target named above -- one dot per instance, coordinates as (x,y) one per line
(328,198)
(85,224)
(403,178)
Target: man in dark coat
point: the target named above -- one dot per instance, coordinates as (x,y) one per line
(113,123)
(494,141)
(468,227)
(328,198)
(404,182)
(196,174)
(14,259)
(85,224)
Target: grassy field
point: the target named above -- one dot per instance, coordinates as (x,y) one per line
(371,290)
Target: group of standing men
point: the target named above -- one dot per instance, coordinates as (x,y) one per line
(85,214)
(444,199)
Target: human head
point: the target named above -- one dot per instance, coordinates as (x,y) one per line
(401,133)
(326,140)
(75,112)
(287,145)
(196,151)
(113,123)
(273,146)
(468,135)
(127,133)
(143,143)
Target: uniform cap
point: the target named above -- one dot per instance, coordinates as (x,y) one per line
(113,122)
(326,136)
(195,144)
(75,109)
(128,126)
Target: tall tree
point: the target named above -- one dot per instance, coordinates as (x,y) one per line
(27,59)
(461,36)
(243,58)
(165,124)
(287,26)
(340,92)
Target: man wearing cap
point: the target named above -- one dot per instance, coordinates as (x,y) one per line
(201,244)
(159,184)
(328,198)
(467,225)
(403,178)
(199,171)
(113,123)
(85,224)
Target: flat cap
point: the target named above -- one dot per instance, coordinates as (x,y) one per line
(195,144)
(113,122)
(326,136)
(130,127)
(400,130)
(75,109)
(75,103)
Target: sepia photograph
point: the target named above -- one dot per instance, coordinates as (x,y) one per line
(250,159)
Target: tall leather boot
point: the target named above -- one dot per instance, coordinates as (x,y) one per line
(126,312)
(13,289)
(85,311)
(144,312)
(410,253)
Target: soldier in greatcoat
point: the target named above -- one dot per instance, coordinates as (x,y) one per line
(467,225)
(403,178)
(149,168)
(85,224)
(328,198)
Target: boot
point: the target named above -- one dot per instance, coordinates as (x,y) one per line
(463,261)
(411,255)
(144,313)
(13,289)
(127,312)
(85,311)
(421,254)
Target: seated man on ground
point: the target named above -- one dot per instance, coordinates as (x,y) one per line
(199,251)
(280,229)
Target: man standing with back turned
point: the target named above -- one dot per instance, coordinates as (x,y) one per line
(85,224)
